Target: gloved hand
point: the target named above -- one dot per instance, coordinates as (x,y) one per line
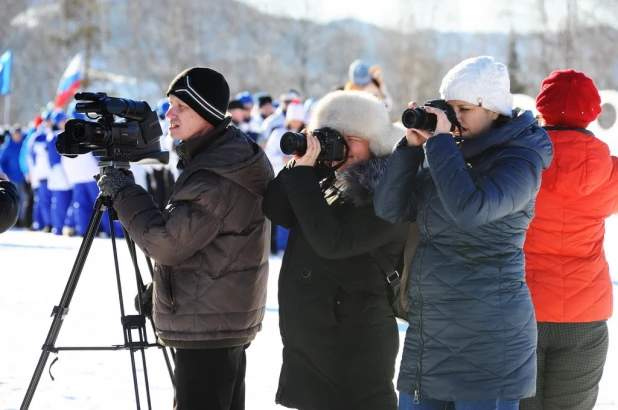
(146,301)
(114,180)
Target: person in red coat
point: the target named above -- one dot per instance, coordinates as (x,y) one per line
(566,269)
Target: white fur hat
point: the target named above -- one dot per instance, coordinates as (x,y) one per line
(361,114)
(479,81)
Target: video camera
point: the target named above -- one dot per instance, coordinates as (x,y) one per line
(136,139)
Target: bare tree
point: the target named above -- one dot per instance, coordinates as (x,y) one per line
(515,74)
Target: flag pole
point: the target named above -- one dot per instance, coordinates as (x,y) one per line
(7,108)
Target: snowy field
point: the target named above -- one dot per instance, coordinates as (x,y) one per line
(34,271)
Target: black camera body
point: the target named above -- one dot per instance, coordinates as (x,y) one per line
(331,141)
(422,120)
(136,139)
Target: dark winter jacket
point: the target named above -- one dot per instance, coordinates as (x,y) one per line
(339,334)
(9,205)
(211,245)
(472,333)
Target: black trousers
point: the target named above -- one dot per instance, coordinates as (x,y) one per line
(210,379)
(570,359)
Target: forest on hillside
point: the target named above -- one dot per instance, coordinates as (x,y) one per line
(136,48)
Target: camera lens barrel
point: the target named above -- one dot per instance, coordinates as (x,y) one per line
(419,118)
(331,144)
(131,109)
(293,143)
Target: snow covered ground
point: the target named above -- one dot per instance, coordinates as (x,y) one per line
(34,269)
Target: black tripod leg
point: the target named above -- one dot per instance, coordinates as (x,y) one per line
(62,308)
(129,323)
(141,285)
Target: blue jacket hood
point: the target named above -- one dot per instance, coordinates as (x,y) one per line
(523,131)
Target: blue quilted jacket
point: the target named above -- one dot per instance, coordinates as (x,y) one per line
(472,333)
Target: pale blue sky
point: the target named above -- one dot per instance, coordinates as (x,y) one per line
(443,15)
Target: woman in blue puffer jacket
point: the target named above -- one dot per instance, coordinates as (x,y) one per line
(471,342)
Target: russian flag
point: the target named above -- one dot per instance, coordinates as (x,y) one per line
(70,82)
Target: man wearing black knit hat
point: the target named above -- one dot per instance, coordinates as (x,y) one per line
(211,244)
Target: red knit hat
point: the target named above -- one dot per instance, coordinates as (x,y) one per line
(568,98)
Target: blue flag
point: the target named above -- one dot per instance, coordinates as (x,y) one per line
(5,72)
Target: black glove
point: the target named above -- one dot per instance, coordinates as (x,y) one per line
(146,301)
(114,180)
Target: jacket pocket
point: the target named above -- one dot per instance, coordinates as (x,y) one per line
(313,296)
(164,290)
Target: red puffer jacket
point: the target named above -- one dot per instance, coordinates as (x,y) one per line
(566,269)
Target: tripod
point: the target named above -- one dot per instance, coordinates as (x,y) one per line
(130,323)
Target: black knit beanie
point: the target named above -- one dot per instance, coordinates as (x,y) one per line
(263,100)
(235,104)
(204,90)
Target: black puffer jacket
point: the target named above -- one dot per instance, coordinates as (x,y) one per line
(211,245)
(339,334)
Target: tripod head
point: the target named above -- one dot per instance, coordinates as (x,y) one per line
(105,195)
(114,164)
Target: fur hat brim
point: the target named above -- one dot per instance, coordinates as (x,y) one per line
(360,114)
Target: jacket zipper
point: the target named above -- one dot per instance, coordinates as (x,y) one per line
(170,289)
(284,267)
(168,210)
(425,210)
(419,366)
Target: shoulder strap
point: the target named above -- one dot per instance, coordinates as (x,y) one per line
(392,275)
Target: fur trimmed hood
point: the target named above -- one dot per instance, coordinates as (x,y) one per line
(358,181)
(360,114)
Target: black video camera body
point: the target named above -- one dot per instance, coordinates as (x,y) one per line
(422,120)
(334,147)
(134,140)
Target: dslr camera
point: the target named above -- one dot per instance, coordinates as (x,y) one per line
(134,139)
(422,120)
(334,146)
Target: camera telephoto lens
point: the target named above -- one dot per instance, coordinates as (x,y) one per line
(293,143)
(419,118)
